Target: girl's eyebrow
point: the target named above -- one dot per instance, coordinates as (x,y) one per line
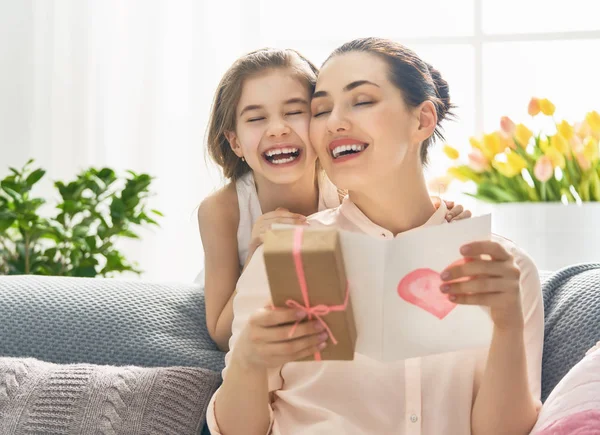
(350,86)
(250,107)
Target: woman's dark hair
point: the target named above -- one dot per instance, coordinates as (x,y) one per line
(417,80)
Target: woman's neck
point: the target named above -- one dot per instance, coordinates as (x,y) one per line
(398,202)
(301,197)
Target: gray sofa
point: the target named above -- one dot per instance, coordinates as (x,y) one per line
(112,322)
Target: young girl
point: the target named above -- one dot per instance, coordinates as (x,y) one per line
(384,99)
(258,134)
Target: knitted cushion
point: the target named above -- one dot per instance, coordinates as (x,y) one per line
(105,321)
(572,311)
(44,398)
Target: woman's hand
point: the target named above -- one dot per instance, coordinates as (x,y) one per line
(264,223)
(488,277)
(265,341)
(456,212)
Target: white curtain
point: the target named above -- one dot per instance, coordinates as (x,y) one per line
(124,84)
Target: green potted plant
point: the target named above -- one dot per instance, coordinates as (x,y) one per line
(79,236)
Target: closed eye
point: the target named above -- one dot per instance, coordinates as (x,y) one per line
(297,112)
(364,103)
(316,115)
(260,118)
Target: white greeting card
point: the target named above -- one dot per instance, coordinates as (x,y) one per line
(399,310)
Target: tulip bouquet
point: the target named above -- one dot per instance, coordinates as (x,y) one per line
(515,165)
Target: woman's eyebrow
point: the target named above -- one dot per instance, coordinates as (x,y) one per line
(350,86)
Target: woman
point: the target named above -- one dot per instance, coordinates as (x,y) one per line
(381,97)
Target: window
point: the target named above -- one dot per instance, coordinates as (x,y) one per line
(495,54)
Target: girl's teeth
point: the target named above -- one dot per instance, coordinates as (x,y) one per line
(278,151)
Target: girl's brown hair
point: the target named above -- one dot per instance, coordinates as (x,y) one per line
(223,111)
(417,80)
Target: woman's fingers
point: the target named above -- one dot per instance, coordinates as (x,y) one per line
(287,332)
(478,267)
(486,247)
(480,285)
(292,349)
(269,317)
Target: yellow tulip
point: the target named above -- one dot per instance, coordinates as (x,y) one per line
(505,169)
(547,107)
(534,106)
(560,143)
(523,135)
(566,130)
(517,162)
(544,144)
(462,173)
(556,157)
(452,153)
(590,149)
(593,120)
(492,143)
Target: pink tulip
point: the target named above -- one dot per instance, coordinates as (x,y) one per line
(477,161)
(584,163)
(507,125)
(543,169)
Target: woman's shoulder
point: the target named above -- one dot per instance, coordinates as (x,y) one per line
(220,206)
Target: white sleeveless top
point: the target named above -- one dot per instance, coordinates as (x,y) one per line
(250,209)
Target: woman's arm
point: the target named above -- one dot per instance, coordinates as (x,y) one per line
(504,403)
(507,390)
(260,345)
(218,219)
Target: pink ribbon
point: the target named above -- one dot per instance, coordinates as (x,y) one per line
(318,310)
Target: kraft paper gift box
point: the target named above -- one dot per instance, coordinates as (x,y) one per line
(291,254)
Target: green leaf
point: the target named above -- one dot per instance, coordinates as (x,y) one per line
(117,209)
(129,234)
(34,177)
(156,212)
(91,242)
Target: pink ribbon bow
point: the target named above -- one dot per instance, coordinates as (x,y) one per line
(318,310)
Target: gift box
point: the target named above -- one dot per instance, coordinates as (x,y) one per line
(305,269)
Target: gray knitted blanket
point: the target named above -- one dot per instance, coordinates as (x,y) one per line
(38,398)
(572,311)
(105,321)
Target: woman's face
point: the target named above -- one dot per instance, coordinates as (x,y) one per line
(361,129)
(273,117)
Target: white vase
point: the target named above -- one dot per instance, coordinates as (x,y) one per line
(553,234)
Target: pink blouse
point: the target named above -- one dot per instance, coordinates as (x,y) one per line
(429,396)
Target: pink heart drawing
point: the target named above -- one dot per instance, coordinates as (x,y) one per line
(421,287)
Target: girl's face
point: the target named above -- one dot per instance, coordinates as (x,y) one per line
(273,118)
(361,129)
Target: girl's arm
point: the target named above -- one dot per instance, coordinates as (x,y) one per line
(218,218)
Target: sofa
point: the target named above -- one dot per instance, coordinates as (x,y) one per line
(79,322)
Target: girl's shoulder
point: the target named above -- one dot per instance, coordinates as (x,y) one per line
(220,207)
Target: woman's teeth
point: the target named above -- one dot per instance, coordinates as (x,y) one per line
(343,150)
(279,156)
